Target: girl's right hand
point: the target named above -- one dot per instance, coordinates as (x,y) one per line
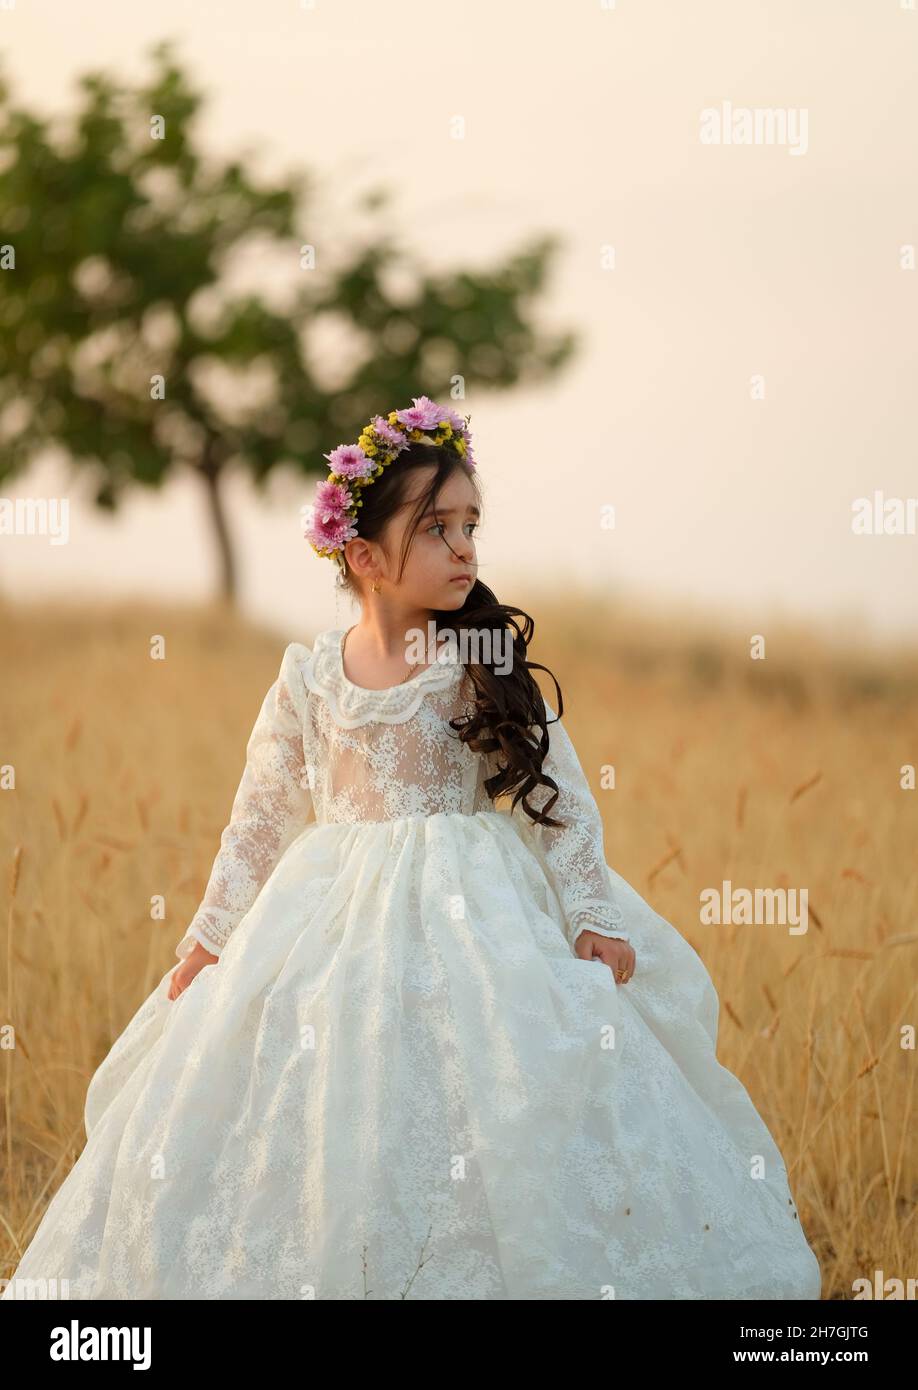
(185,971)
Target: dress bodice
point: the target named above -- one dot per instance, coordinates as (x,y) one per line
(327,751)
(374,755)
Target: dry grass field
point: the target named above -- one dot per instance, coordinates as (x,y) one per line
(783,772)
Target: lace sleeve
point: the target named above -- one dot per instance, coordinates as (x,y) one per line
(272,804)
(574,856)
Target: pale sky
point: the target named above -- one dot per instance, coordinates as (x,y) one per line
(731,262)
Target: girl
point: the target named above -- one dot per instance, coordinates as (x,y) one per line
(418,1046)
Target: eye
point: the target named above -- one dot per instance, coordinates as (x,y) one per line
(440,526)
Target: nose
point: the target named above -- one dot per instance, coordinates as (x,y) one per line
(464,551)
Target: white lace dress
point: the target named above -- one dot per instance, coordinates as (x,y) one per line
(398,1080)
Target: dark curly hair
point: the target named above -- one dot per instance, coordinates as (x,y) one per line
(507,708)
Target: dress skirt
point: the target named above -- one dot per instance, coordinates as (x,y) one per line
(399,1082)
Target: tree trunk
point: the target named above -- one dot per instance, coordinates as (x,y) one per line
(210,471)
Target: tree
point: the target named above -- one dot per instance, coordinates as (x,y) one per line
(122,342)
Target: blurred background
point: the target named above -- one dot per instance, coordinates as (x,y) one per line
(229,236)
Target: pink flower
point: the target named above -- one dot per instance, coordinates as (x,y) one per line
(424,414)
(331,500)
(455,420)
(329,533)
(388,433)
(349,461)
(327,525)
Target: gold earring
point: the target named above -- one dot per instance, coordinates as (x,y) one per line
(375,586)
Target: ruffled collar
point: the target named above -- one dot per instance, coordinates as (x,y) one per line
(352,705)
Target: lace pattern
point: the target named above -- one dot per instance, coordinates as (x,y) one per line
(575,855)
(351,705)
(272,804)
(327,750)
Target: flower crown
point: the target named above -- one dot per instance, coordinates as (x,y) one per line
(330,520)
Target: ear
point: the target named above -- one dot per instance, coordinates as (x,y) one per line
(360,557)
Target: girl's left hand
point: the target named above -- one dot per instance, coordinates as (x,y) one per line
(617,954)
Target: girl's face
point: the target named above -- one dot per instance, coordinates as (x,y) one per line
(442,563)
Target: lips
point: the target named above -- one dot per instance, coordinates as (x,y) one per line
(460,577)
